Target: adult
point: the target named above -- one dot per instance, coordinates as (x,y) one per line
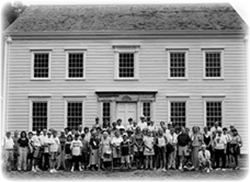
(61,161)
(8,146)
(204,159)
(119,124)
(15,150)
(97,124)
(215,127)
(220,146)
(23,144)
(183,147)
(196,143)
(171,148)
(130,123)
(142,124)
(44,158)
(36,144)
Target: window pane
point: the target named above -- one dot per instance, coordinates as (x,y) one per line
(213,64)
(76,65)
(178,113)
(41,65)
(106,114)
(39,115)
(74,114)
(126,65)
(213,113)
(177,64)
(147,109)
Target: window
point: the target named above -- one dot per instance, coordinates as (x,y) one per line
(146,109)
(41,62)
(177,65)
(126,62)
(76,65)
(213,112)
(74,114)
(106,114)
(213,64)
(126,65)
(39,115)
(178,113)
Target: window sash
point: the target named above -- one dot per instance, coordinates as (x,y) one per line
(75,70)
(41,65)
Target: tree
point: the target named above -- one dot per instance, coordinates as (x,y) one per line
(10,12)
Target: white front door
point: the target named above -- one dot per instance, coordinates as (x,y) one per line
(124,111)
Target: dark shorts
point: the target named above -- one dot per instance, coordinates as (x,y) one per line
(52,156)
(76,158)
(37,153)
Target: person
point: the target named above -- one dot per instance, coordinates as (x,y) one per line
(171,148)
(106,124)
(138,147)
(36,144)
(44,154)
(235,145)
(66,131)
(161,142)
(119,124)
(80,129)
(8,147)
(196,143)
(67,153)
(15,151)
(204,159)
(106,151)
(76,147)
(116,148)
(87,134)
(30,152)
(152,126)
(85,152)
(131,145)
(54,148)
(130,123)
(125,153)
(94,152)
(215,127)
(183,141)
(134,126)
(61,161)
(228,139)
(220,146)
(97,124)
(148,143)
(169,126)
(142,124)
(23,144)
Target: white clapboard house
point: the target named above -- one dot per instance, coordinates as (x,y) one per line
(67,65)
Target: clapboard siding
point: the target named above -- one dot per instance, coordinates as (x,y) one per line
(153,74)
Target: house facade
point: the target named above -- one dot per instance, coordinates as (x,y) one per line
(67,65)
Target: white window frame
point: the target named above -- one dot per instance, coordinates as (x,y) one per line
(126,49)
(215,50)
(178,98)
(67,64)
(186,64)
(32,64)
(38,98)
(74,98)
(213,98)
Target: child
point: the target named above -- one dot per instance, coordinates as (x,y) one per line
(148,142)
(76,147)
(106,150)
(54,144)
(125,153)
(94,151)
(8,146)
(116,144)
(138,148)
(235,145)
(85,152)
(161,142)
(67,153)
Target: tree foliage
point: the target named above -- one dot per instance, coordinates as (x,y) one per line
(10,12)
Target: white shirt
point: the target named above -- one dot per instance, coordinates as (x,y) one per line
(220,142)
(36,141)
(43,139)
(76,146)
(143,125)
(55,144)
(87,136)
(152,128)
(120,127)
(214,129)
(172,139)
(204,156)
(116,141)
(8,143)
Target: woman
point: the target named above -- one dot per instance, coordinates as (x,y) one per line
(67,153)
(235,145)
(207,139)
(138,148)
(23,147)
(61,161)
(94,151)
(116,149)
(197,141)
(106,150)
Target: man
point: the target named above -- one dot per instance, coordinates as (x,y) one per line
(36,144)
(220,146)
(87,134)
(183,147)
(130,123)
(119,124)
(215,127)
(80,131)
(8,146)
(143,123)
(204,159)
(15,150)
(97,124)
(171,155)
(44,160)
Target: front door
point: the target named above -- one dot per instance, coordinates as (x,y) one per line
(124,111)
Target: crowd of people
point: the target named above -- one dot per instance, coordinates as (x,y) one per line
(140,145)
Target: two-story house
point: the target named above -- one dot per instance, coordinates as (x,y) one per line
(66,65)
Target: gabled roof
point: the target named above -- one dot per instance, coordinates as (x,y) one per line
(143,18)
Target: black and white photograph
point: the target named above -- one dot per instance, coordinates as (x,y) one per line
(124,91)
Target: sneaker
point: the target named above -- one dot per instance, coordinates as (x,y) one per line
(164,170)
(180,168)
(34,170)
(38,169)
(217,169)
(80,169)
(51,171)
(208,170)
(55,171)
(72,169)
(237,168)
(223,169)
